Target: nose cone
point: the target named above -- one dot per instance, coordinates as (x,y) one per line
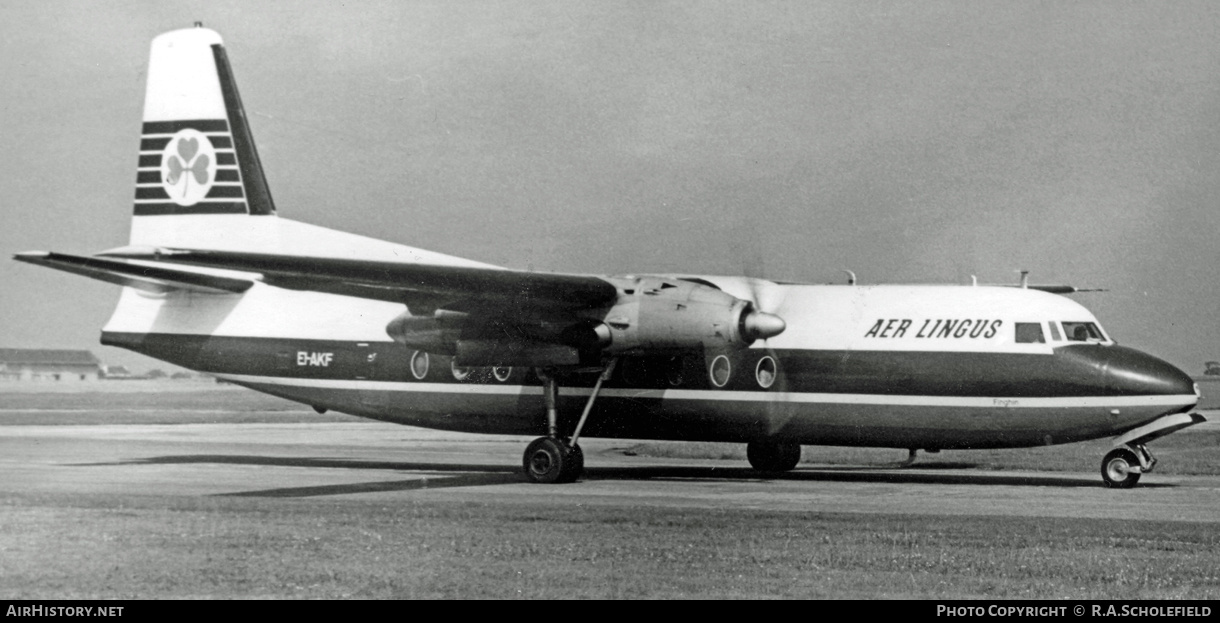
(1130,372)
(758,325)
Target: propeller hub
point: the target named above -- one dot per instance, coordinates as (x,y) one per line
(756,325)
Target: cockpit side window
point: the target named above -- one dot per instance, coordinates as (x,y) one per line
(1083,332)
(1055,331)
(1030,333)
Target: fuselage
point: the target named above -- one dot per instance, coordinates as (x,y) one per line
(891,366)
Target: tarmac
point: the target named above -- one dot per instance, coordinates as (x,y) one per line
(369,460)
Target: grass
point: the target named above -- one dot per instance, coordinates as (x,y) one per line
(137,547)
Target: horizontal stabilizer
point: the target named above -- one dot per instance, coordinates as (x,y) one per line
(156,279)
(441,285)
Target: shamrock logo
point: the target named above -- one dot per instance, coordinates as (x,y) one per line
(188,155)
(187,148)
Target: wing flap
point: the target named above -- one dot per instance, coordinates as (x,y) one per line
(154,279)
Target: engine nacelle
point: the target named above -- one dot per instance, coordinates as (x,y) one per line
(470,343)
(652,315)
(433,334)
(658,314)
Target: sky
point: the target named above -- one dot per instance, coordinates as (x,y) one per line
(910,142)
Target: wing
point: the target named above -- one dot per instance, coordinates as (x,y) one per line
(423,286)
(156,279)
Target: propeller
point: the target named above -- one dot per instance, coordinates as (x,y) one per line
(760,321)
(766,297)
(760,325)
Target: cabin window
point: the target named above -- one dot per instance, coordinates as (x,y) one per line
(1055,331)
(460,373)
(673,371)
(1030,333)
(419,365)
(1082,332)
(764,373)
(720,371)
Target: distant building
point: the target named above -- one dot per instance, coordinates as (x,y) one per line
(31,364)
(117,373)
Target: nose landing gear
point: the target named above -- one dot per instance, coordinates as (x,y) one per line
(1121,468)
(1130,458)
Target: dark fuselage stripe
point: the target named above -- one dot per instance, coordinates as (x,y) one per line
(723,396)
(882,373)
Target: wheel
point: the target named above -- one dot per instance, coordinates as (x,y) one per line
(773,456)
(1117,469)
(548,460)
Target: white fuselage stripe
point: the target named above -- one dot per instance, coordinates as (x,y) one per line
(729,396)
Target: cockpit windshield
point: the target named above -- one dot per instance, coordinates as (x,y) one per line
(1083,332)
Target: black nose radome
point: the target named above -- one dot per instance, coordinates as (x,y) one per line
(1131,372)
(1125,371)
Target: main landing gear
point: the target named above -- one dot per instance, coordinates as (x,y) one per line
(773,456)
(552,459)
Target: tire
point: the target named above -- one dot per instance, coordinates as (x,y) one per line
(1116,469)
(773,456)
(550,461)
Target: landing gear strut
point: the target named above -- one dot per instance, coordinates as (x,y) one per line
(551,459)
(773,456)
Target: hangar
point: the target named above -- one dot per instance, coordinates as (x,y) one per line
(34,364)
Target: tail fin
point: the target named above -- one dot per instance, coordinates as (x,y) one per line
(197,156)
(200,183)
